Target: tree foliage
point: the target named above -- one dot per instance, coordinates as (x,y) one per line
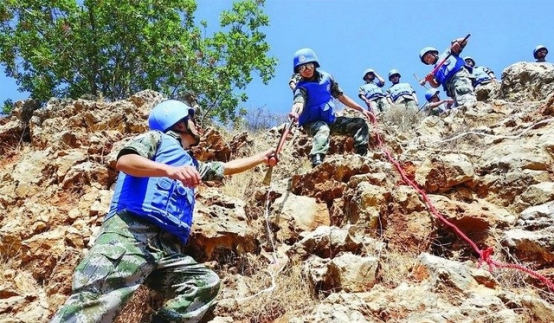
(7,107)
(114,48)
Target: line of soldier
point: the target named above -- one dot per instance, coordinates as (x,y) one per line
(316,90)
(378,100)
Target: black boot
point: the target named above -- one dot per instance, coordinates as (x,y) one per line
(362,151)
(317,159)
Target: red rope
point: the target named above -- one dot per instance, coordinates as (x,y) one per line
(484,255)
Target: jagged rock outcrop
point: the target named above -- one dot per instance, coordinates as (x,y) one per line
(527,81)
(352,231)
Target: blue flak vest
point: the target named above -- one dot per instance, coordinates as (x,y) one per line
(320,105)
(480,75)
(372,91)
(399,89)
(162,201)
(452,66)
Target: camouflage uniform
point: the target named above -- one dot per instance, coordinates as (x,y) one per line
(407,102)
(294,79)
(357,128)
(129,252)
(381,105)
(459,88)
(320,131)
(436,111)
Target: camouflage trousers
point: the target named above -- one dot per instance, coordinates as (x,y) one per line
(408,103)
(128,253)
(379,105)
(357,128)
(460,89)
(436,111)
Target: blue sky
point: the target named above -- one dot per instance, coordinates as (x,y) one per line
(349,36)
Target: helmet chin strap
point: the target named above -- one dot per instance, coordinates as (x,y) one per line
(189,129)
(193,132)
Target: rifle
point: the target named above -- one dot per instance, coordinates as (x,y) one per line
(273,159)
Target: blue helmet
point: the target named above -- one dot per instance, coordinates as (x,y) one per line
(165,114)
(303,56)
(369,70)
(425,51)
(539,48)
(394,72)
(431,93)
(469,58)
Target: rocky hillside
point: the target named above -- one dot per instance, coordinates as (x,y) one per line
(472,240)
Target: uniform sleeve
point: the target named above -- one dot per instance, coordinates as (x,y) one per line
(144,145)
(361,92)
(300,96)
(425,107)
(336,91)
(295,78)
(211,171)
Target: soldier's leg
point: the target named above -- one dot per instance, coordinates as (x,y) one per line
(462,90)
(411,105)
(189,288)
(108,275)
(374,108)
(357,128)
(320,132)
(383,104)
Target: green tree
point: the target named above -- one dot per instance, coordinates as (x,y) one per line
(7,107)
(114,48)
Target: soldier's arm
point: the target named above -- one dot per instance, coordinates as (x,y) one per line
(216,171)
(136,157)
(381,81)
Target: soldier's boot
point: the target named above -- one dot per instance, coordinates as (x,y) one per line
(362,151)
(317,159)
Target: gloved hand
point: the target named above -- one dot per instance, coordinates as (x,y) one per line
(456,48)
(293,116)
(426,79)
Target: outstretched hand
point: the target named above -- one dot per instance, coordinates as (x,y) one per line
(270,157)
(293,116)
(456,48)
(369,115)
(426,79)
(188,175)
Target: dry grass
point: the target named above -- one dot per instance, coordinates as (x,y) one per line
(242,185)
(12,146)
(396,267)
(292,294)
(10,256)
(405,119)
(13,278)
(512,278)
